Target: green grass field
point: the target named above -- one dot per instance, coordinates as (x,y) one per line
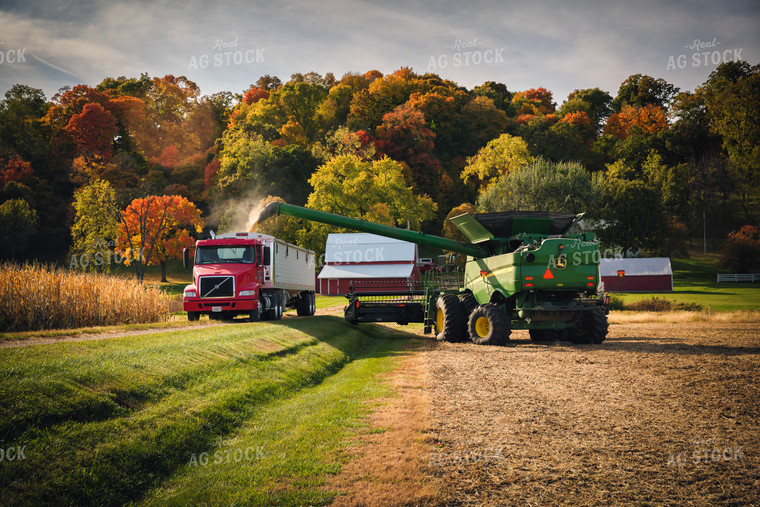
(695,281)
(246,413)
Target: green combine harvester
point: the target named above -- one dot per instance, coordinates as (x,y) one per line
(523,271)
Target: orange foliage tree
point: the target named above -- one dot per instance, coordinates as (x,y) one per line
(156,228)
(93,130)
(649,119)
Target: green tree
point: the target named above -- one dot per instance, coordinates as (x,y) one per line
(95,228)
(18,223)
(633,215)
(732,96)
(371,190)
(250,165)
(640,90)
(500,156)
(545,186)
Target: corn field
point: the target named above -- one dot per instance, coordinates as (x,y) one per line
(34,297)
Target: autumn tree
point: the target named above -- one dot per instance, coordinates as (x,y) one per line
(497,92)
(501,156)
(95,228)
(741,250)
(15,169)
(648,119)
(156,228)
(532,102)
(93,131)
(383,95)
(405,137)
(450,230)
(596,103)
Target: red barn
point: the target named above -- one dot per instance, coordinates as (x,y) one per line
(372,262)
(647,274)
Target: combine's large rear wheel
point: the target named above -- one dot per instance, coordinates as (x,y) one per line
(488,325)
(449,319)
(590,327)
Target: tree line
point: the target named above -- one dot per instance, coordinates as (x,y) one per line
(654,166)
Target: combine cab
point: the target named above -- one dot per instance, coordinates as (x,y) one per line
(524,270)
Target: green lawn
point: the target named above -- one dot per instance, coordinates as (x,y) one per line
(246,413)
(694,281)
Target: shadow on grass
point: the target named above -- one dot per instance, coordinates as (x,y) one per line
(127,472)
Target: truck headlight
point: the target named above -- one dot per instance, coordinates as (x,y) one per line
(247,293)
(190,294)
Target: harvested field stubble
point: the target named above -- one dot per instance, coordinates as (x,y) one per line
(658,414)
(34,297)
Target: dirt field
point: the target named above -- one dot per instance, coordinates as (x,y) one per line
(660,414)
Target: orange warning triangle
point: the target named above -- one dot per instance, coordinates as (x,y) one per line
(548,274)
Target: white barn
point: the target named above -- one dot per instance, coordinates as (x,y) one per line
(373,262)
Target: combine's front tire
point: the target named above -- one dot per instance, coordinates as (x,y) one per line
(590,327)
(488,325)
(449,319)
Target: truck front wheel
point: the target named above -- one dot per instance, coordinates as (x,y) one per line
(488,325)
(193,316)
(257,314)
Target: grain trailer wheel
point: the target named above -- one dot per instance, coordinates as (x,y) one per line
(488,325)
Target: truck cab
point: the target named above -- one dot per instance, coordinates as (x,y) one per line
(248,273)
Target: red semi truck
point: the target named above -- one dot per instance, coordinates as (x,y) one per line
(249,273)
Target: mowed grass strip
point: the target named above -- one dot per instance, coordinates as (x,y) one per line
(283,454)
(103,422)
(43,386)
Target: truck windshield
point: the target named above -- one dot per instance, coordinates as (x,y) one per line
(225,254)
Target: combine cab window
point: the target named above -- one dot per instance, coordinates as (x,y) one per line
(225,254)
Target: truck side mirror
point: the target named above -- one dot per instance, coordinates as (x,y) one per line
(267,256)
(186,258)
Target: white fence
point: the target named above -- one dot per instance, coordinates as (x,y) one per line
(730,277)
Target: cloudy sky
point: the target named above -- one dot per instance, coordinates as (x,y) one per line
(227,45)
